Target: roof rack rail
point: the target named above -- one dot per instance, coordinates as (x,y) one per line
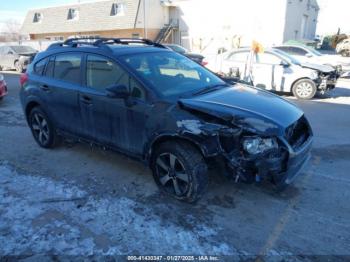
(96,41)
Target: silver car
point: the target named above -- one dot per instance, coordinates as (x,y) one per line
(16,57)
(310,55)
(275,70)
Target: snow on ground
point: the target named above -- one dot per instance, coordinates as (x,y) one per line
(40,215)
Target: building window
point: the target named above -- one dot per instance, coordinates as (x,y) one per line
(117,9)
(73,14)
(37,18)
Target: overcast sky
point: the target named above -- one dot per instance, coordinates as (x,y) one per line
(333,13)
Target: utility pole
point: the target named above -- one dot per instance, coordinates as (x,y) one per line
(144,20)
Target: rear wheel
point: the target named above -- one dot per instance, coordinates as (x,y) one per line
(304,89)
(180,170)
(42,128)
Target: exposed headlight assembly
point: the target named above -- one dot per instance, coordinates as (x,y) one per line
(258,145)
(314,75)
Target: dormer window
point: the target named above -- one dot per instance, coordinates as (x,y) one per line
(73,14)
(117,9)
(37,18)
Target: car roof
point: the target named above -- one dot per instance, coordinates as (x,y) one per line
(248,49)
(107,49)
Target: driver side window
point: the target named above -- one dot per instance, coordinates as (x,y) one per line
(102,73)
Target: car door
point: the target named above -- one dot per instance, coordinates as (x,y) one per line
(236,64)
(116,122)
(8,57)
(60,83)
(2,50)
(268,71)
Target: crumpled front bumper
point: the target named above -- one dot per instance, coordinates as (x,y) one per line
(281,168)
(296,162)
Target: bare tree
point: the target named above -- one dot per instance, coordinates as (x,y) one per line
(11,30)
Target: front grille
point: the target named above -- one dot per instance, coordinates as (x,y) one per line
(298,133)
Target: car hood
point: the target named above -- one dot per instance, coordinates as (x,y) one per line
(253,109)
(318,67)
(332,60)
(27,54)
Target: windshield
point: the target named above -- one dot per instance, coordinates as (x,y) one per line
(23,49)
(171,74)
(286,56)
(313,51)
(178,49)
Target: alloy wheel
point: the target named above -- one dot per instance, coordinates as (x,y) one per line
(304,89)
(40,128)
(172,174)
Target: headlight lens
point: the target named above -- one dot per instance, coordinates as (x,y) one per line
(314,75)
(258,145)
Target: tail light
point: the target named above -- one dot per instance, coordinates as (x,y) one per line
(23,79)
(204,63)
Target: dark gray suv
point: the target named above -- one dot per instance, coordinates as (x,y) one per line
(143,100)
(16,57)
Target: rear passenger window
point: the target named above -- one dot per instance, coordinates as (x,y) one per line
(40,66)
(67,68)
(239,56)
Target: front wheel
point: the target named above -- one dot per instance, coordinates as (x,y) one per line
(42,128)
(304,89)
(180,170)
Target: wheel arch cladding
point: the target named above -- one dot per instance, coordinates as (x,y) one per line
(30,107)
(157,141)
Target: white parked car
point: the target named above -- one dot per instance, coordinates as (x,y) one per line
(275,70)
(310,55)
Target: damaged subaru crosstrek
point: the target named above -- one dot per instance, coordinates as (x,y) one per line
(143,100)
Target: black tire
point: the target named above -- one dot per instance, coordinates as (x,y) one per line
(187,178)
(304,89)
(42,129)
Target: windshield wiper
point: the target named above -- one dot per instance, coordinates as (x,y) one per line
(209,89)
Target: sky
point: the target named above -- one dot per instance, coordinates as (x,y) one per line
(333,13)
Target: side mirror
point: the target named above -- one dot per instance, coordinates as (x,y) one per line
(10,53)
(117,91)
(308,55)
(284,64)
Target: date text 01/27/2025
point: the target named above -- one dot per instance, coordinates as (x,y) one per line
(172,258)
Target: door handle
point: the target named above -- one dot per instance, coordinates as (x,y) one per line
(45,88)
(86,100)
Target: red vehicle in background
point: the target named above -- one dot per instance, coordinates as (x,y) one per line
(3,87)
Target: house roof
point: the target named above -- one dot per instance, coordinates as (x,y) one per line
(93,16)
